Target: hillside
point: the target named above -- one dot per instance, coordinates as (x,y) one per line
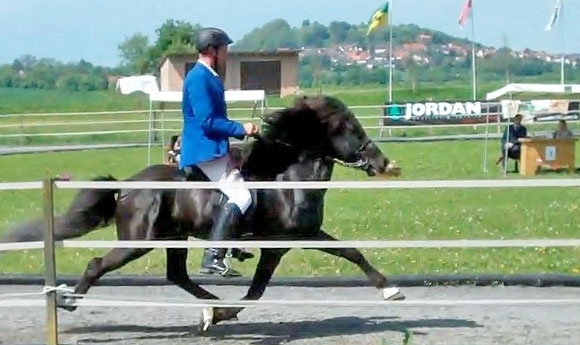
(332,54)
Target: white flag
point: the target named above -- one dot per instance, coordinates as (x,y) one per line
(555,14)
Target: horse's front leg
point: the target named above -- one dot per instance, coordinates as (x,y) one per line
(269,260)
(355,256)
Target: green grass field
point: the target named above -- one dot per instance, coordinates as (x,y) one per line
(350,214)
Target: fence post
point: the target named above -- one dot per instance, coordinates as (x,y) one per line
(50,262)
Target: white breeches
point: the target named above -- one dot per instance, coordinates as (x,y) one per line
(216,171)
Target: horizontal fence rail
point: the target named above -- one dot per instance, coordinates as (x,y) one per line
(69,134)
(179,120)
(87,123)
(416,184)
(304,244)
(168,110)
(20,185)
(413,184)
(92,302)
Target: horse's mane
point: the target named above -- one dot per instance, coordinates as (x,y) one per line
(288,133)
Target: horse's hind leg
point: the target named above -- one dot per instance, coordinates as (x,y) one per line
(97,267)
(133,223)
(177,273)
(355,256)
(269,260)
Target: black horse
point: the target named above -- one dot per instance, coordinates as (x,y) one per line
(299,143)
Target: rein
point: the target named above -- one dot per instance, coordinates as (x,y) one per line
(360,163)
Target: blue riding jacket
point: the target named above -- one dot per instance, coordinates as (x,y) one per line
(206,128)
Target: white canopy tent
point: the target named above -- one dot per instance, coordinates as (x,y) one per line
(507,110)
(534,88)
(144,83)
(258,97)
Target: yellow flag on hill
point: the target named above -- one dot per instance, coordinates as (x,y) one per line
(380,17)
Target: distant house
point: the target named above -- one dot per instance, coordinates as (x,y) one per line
(276,72)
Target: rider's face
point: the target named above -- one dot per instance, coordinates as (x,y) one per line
(221,58)
(222,53)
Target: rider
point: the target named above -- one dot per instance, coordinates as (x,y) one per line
(205,138)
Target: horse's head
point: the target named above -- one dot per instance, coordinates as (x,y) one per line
(324,126)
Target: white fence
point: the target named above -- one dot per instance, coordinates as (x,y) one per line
(28,125)
(35,125)
(53,292)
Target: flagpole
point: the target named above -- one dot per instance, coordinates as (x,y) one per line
(390,52)
(473,79)
(563,33)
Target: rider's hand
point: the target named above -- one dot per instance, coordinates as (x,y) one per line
(250,128)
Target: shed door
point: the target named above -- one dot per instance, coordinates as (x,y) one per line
(261,75)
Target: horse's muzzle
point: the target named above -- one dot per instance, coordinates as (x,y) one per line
(370,170)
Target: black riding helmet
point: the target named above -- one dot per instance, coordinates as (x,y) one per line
(211,37)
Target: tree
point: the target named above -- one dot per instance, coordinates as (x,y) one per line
(133,54)
(338,32)
(412,72)
(173,37)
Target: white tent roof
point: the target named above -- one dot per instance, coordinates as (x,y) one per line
(148,85)
(536,88)
(230,95)
(144,83)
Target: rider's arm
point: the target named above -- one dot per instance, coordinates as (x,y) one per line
(201,100)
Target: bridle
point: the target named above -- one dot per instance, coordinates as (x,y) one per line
(362,162)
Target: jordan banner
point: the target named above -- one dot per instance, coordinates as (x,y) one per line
(477,112)
(440,113)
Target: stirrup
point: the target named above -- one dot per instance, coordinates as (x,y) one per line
(228,271)
(227,263)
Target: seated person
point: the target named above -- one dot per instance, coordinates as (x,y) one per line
(562,132)
(174,149)
(511,143)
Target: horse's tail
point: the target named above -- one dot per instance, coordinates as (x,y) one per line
(90,210)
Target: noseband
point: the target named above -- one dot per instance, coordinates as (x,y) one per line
(362,162)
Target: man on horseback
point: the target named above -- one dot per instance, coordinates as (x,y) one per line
(205,138)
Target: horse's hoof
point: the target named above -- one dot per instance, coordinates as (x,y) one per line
(392,294)
(205,321)
(225,314)
(69,308)
(66,303)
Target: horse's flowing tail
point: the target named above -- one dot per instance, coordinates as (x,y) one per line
(91,209)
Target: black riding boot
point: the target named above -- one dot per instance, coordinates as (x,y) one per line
(213,259)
